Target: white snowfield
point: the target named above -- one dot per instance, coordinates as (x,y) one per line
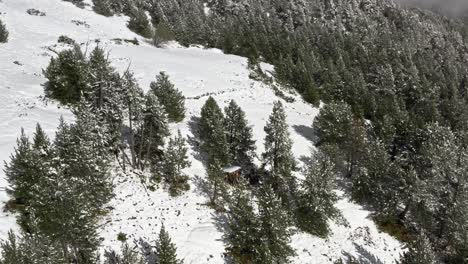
(198,73)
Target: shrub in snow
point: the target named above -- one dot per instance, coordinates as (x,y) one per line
(3,33)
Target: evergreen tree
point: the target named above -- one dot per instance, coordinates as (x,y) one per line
(153,131)
(243,238)
(102,7)
(420,252)
(166,251)
(20,171)
(71,197)
(67,77)
(274,228)
(278,155)
(30,249)
(139,23)
(316,201)
(128,256)
(162,34)
(171,98)
(3,33)
(444,194)
(212,133)
(239,135)
(216,180)
(101,76)
(175,160)
(134,103)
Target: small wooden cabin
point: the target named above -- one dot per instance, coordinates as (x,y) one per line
(233,174)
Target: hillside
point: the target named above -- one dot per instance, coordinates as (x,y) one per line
(198,73)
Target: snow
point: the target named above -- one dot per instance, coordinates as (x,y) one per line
(198,73)
(231,169)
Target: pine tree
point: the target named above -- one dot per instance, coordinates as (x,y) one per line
(3,33)
(106,96)
(134,103)
(243,237)
(274,228)
(102,7)
(216,180)
(67,77)
(30,249)
(139,23)
(166,251)
(20,171)
(128,256)
(175,160)
(72,195)
(214,144)
(316,201)
(171,98)
(239,135)
(152,133)
(278,156)
(420,252)
(444,193)
(162,34)
(101,76)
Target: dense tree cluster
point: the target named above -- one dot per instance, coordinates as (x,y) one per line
(133,122)
(60,187)
(259,229)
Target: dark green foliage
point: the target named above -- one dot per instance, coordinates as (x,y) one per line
(171,98)
(67,77)
(316,199)
(30,249)
(443,197)
(239,135)
(3,33)
(278,156)
(152,132)
(420,252)
(128,256)
(31,163)
(274,228)
(102,7)
(139,23)
(166,251)
(242,238)
(66,40)
(175,160)
(257,237)
(211,131)
(214,144)
(162,34)
(122,237)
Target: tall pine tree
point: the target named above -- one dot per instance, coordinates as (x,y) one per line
(171,98)
(278,156)
(239,135)
(166,251)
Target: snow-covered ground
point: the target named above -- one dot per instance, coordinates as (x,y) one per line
(198,73)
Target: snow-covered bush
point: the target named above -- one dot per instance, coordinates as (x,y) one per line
(3,33)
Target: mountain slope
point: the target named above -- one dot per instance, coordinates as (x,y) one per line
(198,73)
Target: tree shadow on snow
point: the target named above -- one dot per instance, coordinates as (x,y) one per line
(201,185)
(306,132)
(194,141)
(220,221)
(363,256)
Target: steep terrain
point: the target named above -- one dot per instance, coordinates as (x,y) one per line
(198,73)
